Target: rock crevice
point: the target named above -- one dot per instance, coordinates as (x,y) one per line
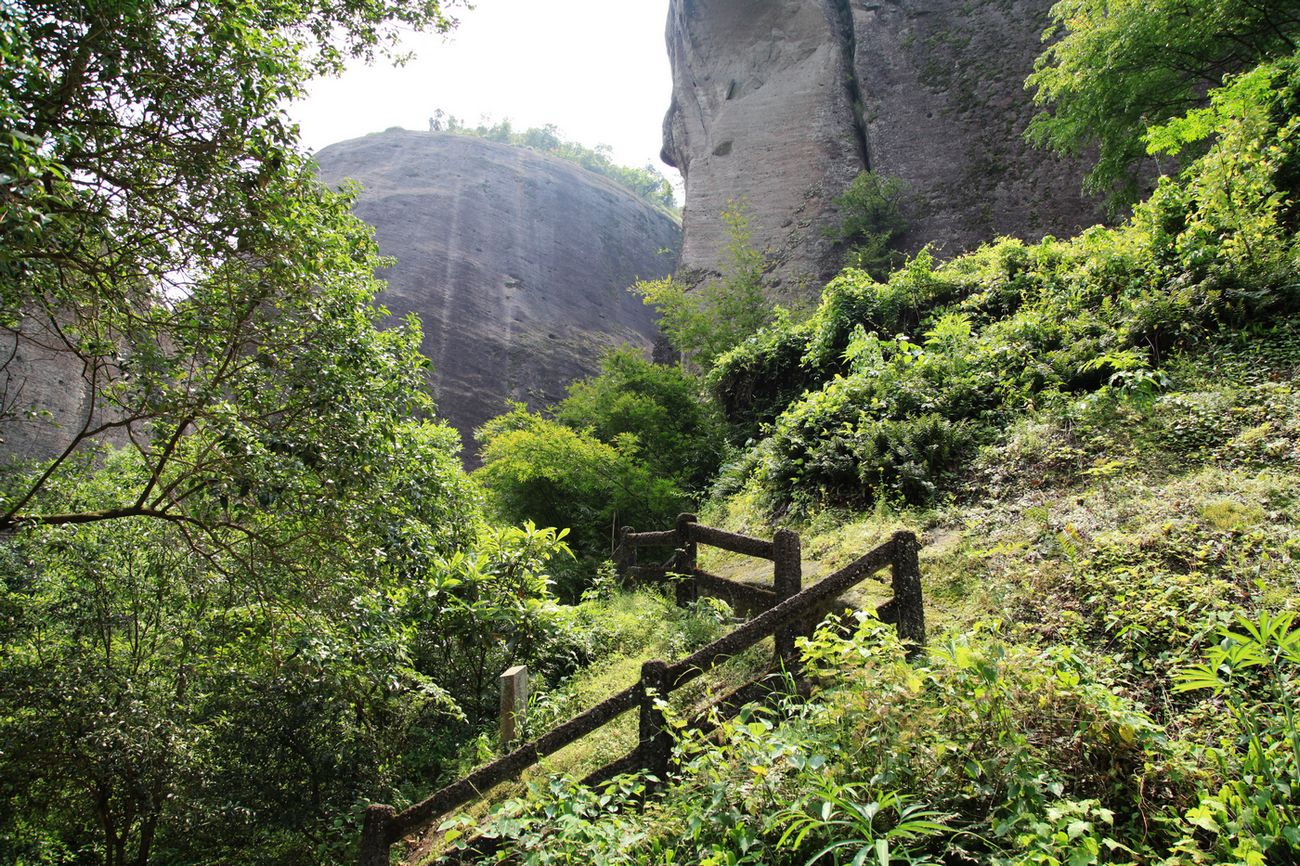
(842,10)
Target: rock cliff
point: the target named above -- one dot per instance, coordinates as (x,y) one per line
(46,398)
(517,263)
(780,103)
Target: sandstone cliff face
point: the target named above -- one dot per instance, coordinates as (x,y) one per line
(517,263)
(45,394)
(762,115)
(782,102)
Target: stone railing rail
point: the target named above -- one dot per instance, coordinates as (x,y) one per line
(784,617)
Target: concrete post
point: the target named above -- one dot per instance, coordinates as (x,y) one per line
(374,835)
(684,589)
(787,581)
(686,561)
(684,541)
(514,703)
(909,605)
(656,742)
(624,552)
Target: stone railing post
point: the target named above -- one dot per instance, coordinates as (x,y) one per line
(686,560)
(514,704)
(655,739)
(684,581)
(374,835)
(684,541)
(624,552)
(787,581)
(909,606)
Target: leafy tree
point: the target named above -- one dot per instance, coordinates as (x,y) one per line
(704,322)
(873,221)
(165,693)
(160,226)
(159,705)
(1124,65)
(680,435)
(503,581)
(217,639)
(540,470)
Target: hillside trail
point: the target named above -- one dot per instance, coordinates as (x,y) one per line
(584,756)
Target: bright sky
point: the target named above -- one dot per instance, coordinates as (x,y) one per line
(597,69)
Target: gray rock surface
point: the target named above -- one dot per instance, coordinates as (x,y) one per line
(761,115)
(517,263)
(782,102)
(45,394)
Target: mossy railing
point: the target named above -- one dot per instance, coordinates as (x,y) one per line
(790,606)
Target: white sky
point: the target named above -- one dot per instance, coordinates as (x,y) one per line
(597,69)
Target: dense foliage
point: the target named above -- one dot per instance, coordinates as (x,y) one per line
(268,604)
(986,752)
(160,706)
(907,378)
(1114,678)
(538,469)
(632,446)
(647,183)
(1121,66)
(283,598)
(871,222)
(680,435)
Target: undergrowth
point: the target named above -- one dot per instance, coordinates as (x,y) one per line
(1098,442)
(984,751)
(1115,678)
(1113,681)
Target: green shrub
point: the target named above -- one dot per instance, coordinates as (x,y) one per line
(982,753)
(755,381)
(872,221)
(541,471)
(705,321)
(893,426)
(1253,818)
(679,434)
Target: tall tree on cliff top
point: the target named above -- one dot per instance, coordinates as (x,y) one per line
(1122,66)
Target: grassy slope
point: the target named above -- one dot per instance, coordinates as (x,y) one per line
(630,626)
(1080,700)
(1119,541)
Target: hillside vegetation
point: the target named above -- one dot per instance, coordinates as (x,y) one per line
(273,596)
(647,183)
(1099,440)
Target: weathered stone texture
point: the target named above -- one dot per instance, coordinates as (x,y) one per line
(761,114)
(945,109)
(45,397)
(783,102)
(517,263)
